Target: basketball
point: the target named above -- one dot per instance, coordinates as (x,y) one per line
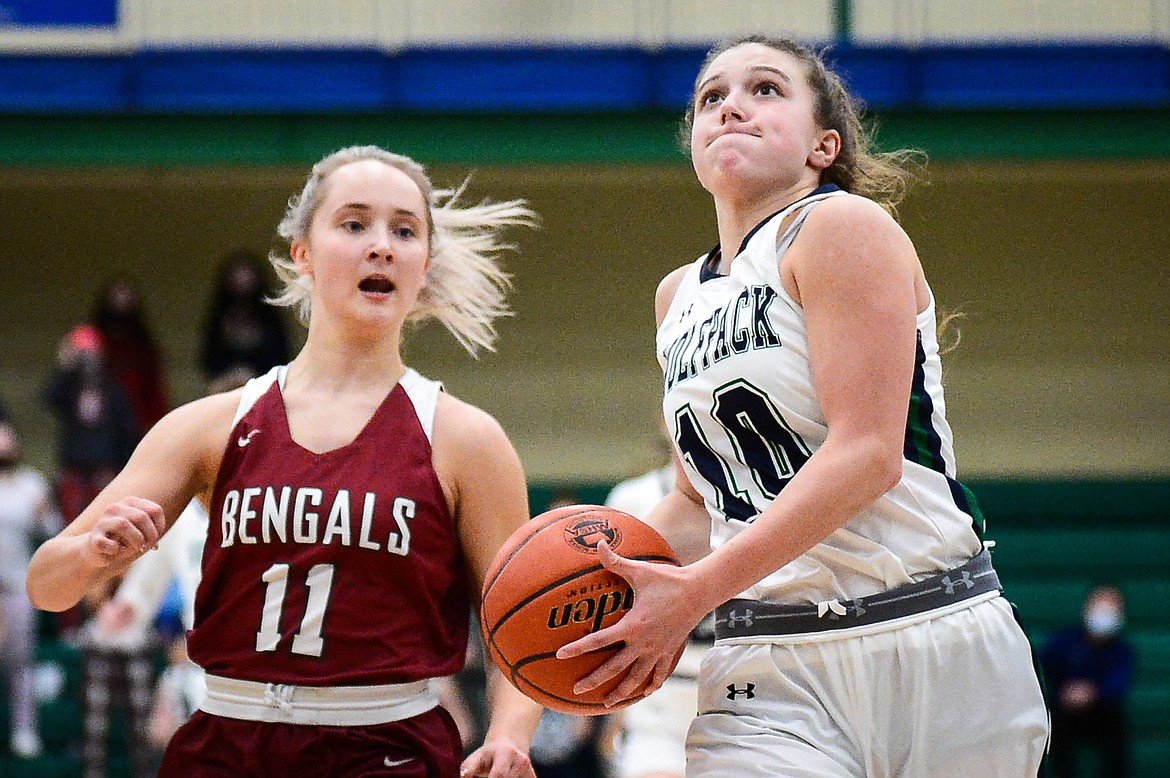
(546,588)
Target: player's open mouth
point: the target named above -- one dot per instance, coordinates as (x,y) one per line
(376,285)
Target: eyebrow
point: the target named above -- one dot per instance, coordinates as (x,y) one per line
(365,207)
(754,68)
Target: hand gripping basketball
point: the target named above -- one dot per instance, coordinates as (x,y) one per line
(546,588)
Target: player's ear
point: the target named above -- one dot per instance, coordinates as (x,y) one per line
(299,251)
(826,150)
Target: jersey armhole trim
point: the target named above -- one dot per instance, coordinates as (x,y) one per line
(255,389)
(424,396)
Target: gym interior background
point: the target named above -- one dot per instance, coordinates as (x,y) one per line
(147,138)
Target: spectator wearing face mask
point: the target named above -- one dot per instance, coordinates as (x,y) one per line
(27,516)
(1090,669)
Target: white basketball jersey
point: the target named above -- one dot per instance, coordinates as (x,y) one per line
(743,413)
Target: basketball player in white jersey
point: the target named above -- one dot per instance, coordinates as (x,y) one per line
(354,507)
(860,629)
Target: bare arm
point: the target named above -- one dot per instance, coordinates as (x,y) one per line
(484,479)
(176,460)
(856,274)
(681,518)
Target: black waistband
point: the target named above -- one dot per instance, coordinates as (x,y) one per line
(749,618)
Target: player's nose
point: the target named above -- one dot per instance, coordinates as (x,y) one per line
(381,248)
(730,108)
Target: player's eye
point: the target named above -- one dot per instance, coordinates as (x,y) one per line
(352,225)
(710,97)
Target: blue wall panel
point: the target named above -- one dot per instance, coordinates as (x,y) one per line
(549,79)
(523,79)
(1073,76)
(881,76)
(59,13)
(75,83)
(260,80)
(674,72)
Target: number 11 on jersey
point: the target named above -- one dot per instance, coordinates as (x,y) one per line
(308,640)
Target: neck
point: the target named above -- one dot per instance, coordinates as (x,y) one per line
(337,361)
(737,216)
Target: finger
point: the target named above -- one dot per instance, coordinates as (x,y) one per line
(106,546)
(634,680)
(155,524)
(662,671)
(137,523)
(610,559)
(608,670)
(472,766)
(591,642)
(123,531)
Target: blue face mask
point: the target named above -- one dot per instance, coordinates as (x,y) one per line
(1103,622)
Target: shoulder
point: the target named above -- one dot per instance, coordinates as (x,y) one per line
(481,477)
(843,216)
(179,457)
(847,238)
(462,421)
(466,436)
(199,428)
(209,415)
(667,288)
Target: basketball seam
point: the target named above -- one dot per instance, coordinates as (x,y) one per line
(503,563)
(566,579)
(529,660)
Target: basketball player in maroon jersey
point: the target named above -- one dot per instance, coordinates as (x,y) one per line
(354,506)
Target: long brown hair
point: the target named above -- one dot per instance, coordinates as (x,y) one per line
(880,176)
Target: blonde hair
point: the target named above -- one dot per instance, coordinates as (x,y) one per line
(881,176)
(465,286)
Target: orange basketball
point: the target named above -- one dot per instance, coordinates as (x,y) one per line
(546,588)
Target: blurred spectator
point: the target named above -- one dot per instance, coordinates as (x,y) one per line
(97,431)
(97,426)
(135,607)
(243,336)
(117,672)
(1090,668)
(132,356)
(178,694)
(565,746)
(119,646)
(27,516)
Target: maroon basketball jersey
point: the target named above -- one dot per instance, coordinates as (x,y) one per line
(334,569)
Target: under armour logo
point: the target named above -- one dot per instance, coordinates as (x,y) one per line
(244,440)
(748,691)
(964,579)
(735,619)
